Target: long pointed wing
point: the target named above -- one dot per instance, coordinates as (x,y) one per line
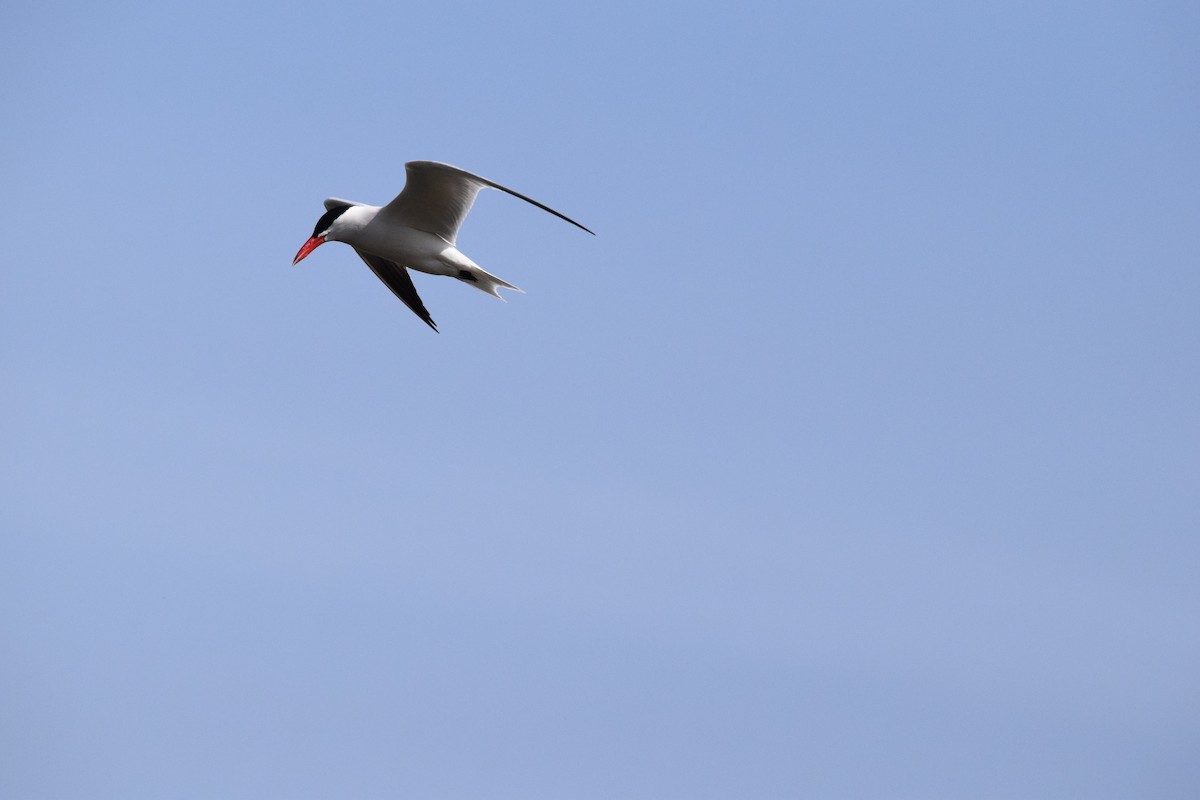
(400,282)
(437,197)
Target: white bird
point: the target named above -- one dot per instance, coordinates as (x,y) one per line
(417,230)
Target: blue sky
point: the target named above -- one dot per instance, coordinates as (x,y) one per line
(855,457)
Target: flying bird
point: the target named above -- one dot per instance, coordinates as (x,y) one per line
(417,230)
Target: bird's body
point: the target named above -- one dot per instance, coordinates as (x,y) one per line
(361,227)
(417,230)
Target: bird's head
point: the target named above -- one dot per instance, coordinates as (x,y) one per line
(326,229)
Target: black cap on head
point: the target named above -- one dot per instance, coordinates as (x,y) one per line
(326,220)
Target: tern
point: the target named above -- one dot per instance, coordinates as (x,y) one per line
(417,230)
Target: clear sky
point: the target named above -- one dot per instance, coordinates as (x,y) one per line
(857,456)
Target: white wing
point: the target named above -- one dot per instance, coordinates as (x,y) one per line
(437,197)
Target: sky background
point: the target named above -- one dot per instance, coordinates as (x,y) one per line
(857,455)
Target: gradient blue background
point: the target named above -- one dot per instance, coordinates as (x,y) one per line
(856,457)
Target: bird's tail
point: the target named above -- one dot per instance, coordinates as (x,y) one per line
(485,281)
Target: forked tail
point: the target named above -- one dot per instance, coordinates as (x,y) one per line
(485,281)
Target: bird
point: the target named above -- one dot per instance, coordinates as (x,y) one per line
(416,230)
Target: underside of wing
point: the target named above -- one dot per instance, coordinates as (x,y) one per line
(400,282)
(437,197)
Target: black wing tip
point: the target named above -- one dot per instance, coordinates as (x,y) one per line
(561,216)
(395,277)
(533,202)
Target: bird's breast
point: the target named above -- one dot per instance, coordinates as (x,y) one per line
(408,247)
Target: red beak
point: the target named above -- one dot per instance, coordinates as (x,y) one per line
(309,246)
